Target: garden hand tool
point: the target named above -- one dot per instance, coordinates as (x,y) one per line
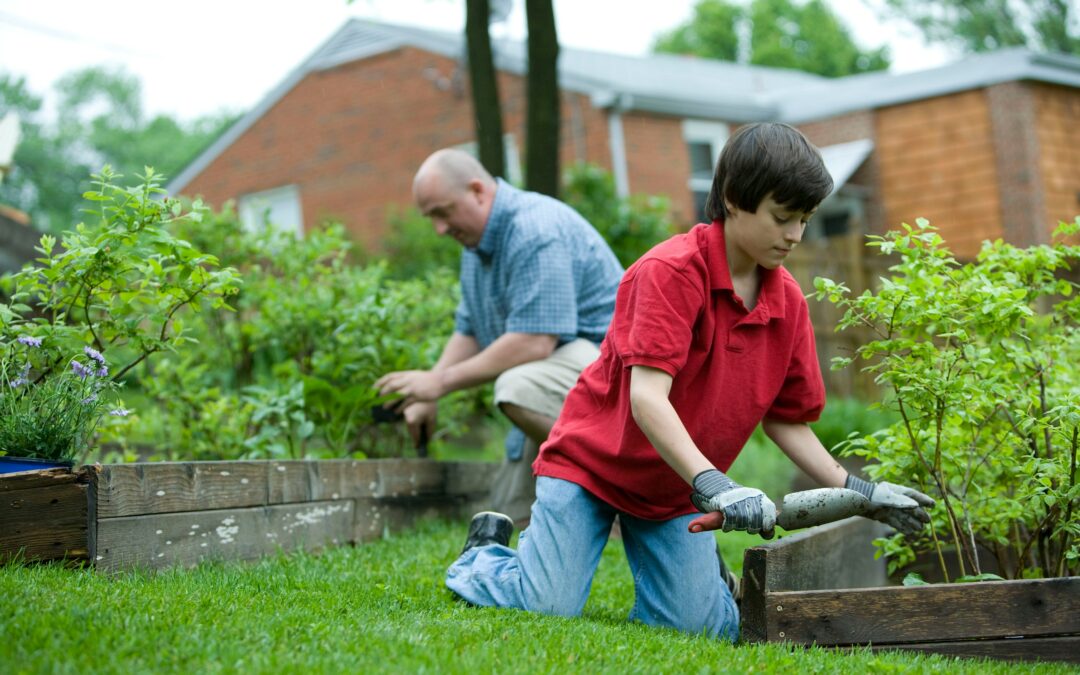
(803,509)
(382,415)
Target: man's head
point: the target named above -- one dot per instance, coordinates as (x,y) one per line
(455,191)
(767,160)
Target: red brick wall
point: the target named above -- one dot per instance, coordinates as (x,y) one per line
(353,136)
(937,162)
(1057,114)
(658,163)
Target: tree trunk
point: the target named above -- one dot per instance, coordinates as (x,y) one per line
(542,117)
(487,113)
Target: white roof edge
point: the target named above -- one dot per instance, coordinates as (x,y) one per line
(844,159)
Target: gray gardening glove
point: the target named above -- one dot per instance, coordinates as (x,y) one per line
(895,505)
(743,508)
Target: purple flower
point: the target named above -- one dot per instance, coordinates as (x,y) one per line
(102,371)
(92,398)
(94,354)
(79,369)
(120,412)
(30,341)
(23,378)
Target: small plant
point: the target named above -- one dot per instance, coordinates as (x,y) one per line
(979,362)
(48,413)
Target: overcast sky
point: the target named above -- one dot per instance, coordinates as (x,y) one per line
(199,56)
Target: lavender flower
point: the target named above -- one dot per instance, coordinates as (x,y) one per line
(79,369)
(23,378)
(102,371)
(94,354)
(30,341)
(92,398)
(120,412)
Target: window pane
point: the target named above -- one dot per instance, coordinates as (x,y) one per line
(700,159)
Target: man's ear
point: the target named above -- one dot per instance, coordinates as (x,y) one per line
(481,191)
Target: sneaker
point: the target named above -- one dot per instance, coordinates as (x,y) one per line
(732,581)
(488,527)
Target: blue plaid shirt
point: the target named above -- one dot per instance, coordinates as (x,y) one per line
(539,268)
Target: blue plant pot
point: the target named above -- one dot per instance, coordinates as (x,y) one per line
(17,464)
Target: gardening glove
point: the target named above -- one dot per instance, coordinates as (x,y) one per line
(743,508)
(902,508)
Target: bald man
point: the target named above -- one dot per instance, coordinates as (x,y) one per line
(538,287)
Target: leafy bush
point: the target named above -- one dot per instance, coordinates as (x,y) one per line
(289,373)
(412,248)
(121,283)
(631,225)
(847,417)
(980,359)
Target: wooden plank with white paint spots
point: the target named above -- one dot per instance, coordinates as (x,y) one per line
(162,540)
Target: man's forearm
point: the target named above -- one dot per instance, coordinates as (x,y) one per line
(457,349)
(509,350)
(801,444)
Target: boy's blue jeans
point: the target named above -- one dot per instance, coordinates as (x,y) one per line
(676,574)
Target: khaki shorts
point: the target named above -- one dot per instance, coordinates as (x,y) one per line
(540,386)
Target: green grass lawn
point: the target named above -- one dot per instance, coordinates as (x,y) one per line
(380,607)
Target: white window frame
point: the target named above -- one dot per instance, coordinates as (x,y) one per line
(286,213)
(714,133)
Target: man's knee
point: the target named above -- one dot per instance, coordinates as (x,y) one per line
(515,384)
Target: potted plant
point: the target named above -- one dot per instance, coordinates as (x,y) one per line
(979,361)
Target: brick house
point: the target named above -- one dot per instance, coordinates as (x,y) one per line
(985,147)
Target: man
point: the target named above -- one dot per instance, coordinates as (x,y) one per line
(538,288)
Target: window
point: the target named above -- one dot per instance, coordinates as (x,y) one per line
(278,208)
(514,175)
(704,140)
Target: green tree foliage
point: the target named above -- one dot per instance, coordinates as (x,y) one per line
(985,25)
(782,34)
(100,120)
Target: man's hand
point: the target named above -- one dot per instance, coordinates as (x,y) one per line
(899,507)
(414,386)
(743,508)
(420,420)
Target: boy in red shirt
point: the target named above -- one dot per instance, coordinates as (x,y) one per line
(711,336)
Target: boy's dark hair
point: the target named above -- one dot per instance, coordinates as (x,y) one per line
(763,159)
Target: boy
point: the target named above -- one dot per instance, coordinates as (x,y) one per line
(710,337)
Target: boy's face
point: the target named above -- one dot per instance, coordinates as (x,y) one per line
(764,237)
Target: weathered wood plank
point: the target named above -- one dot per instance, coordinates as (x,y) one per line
(935,613)
(47,522)
(380,516)
(161,540)
(1061,648)
(470,478)
(174,487)
(837,555)
(43,477)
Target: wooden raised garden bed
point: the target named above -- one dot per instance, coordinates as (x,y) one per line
(154,515)
(823,587)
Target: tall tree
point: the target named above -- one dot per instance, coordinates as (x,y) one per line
(782,34)
(985,25)
(487,110)
(542,114)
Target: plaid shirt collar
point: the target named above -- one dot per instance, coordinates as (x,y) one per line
(498,220)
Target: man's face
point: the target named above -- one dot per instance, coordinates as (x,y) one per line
(764,237)
(456,212)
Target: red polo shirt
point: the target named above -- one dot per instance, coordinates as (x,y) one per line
(676,310)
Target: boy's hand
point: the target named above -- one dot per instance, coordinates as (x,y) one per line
(899,507)
(743,508)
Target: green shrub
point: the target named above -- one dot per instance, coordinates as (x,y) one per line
(980,360)
(120,283)
(631,225)
(845,417)
(289,373)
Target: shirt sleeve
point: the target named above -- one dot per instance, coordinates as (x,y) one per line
(462,320)
(655,312)
(540,294)
(802,396)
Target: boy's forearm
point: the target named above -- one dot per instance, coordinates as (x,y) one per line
(657,419)
(799,442)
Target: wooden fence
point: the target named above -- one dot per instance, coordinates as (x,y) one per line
(844,259)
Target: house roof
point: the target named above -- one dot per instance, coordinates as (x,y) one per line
(673,85)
